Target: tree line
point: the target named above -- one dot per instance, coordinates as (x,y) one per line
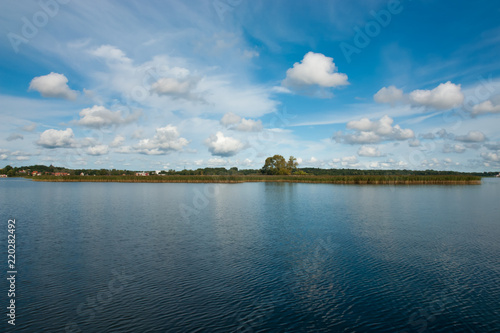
(274,165)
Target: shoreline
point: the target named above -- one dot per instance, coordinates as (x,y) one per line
(347,180)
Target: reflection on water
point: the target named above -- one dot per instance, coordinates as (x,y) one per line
(255,257)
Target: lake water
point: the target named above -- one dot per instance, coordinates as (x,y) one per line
(254,257)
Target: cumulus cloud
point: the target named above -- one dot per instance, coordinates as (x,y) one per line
(176,88)
(484,108)
(53,138)
(368,131)
(457,148)
(443,97)
(117,141)
(15,136)
(166,139)
(492,157)
(249,125)
(314,69)
(217,162)
(369,151)
(390,95)
(235,122)
(111,54)
(220,145)
(53,85)
(347,161)
(98,150)
(389,164)
(472,136)
(98,117)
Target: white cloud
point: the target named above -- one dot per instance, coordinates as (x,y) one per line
(52,138)
(3,157)
(484,108)
(369,151)
(249,125)
(492,157)
(98,150)
(235,122)
(389,95)
(314,69)
(221,145)
(177,87)
(349,161)
(53,85)
(361,137)
(111,53)
(389,164)
(368,131)
(165,140)
(472,136)
(170,86)
(217,161)
(281,90)
(457,148)
(98,116)
(117,141)
(443,97)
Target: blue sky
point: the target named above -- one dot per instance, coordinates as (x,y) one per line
(152,85)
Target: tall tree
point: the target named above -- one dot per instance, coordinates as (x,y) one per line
(277,165)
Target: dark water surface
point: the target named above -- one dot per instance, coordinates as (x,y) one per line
(255,257)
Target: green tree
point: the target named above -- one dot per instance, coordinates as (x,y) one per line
(277,165)
(292,164)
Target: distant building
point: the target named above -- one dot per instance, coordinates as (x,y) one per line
(61,174)
(142,173)
(3,176)
(498,175)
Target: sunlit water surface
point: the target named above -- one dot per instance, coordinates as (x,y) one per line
(255,257)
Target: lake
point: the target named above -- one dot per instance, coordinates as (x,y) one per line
(253,257)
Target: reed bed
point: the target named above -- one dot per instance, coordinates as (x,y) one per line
(348,179)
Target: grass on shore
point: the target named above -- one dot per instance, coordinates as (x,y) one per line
(348,179)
